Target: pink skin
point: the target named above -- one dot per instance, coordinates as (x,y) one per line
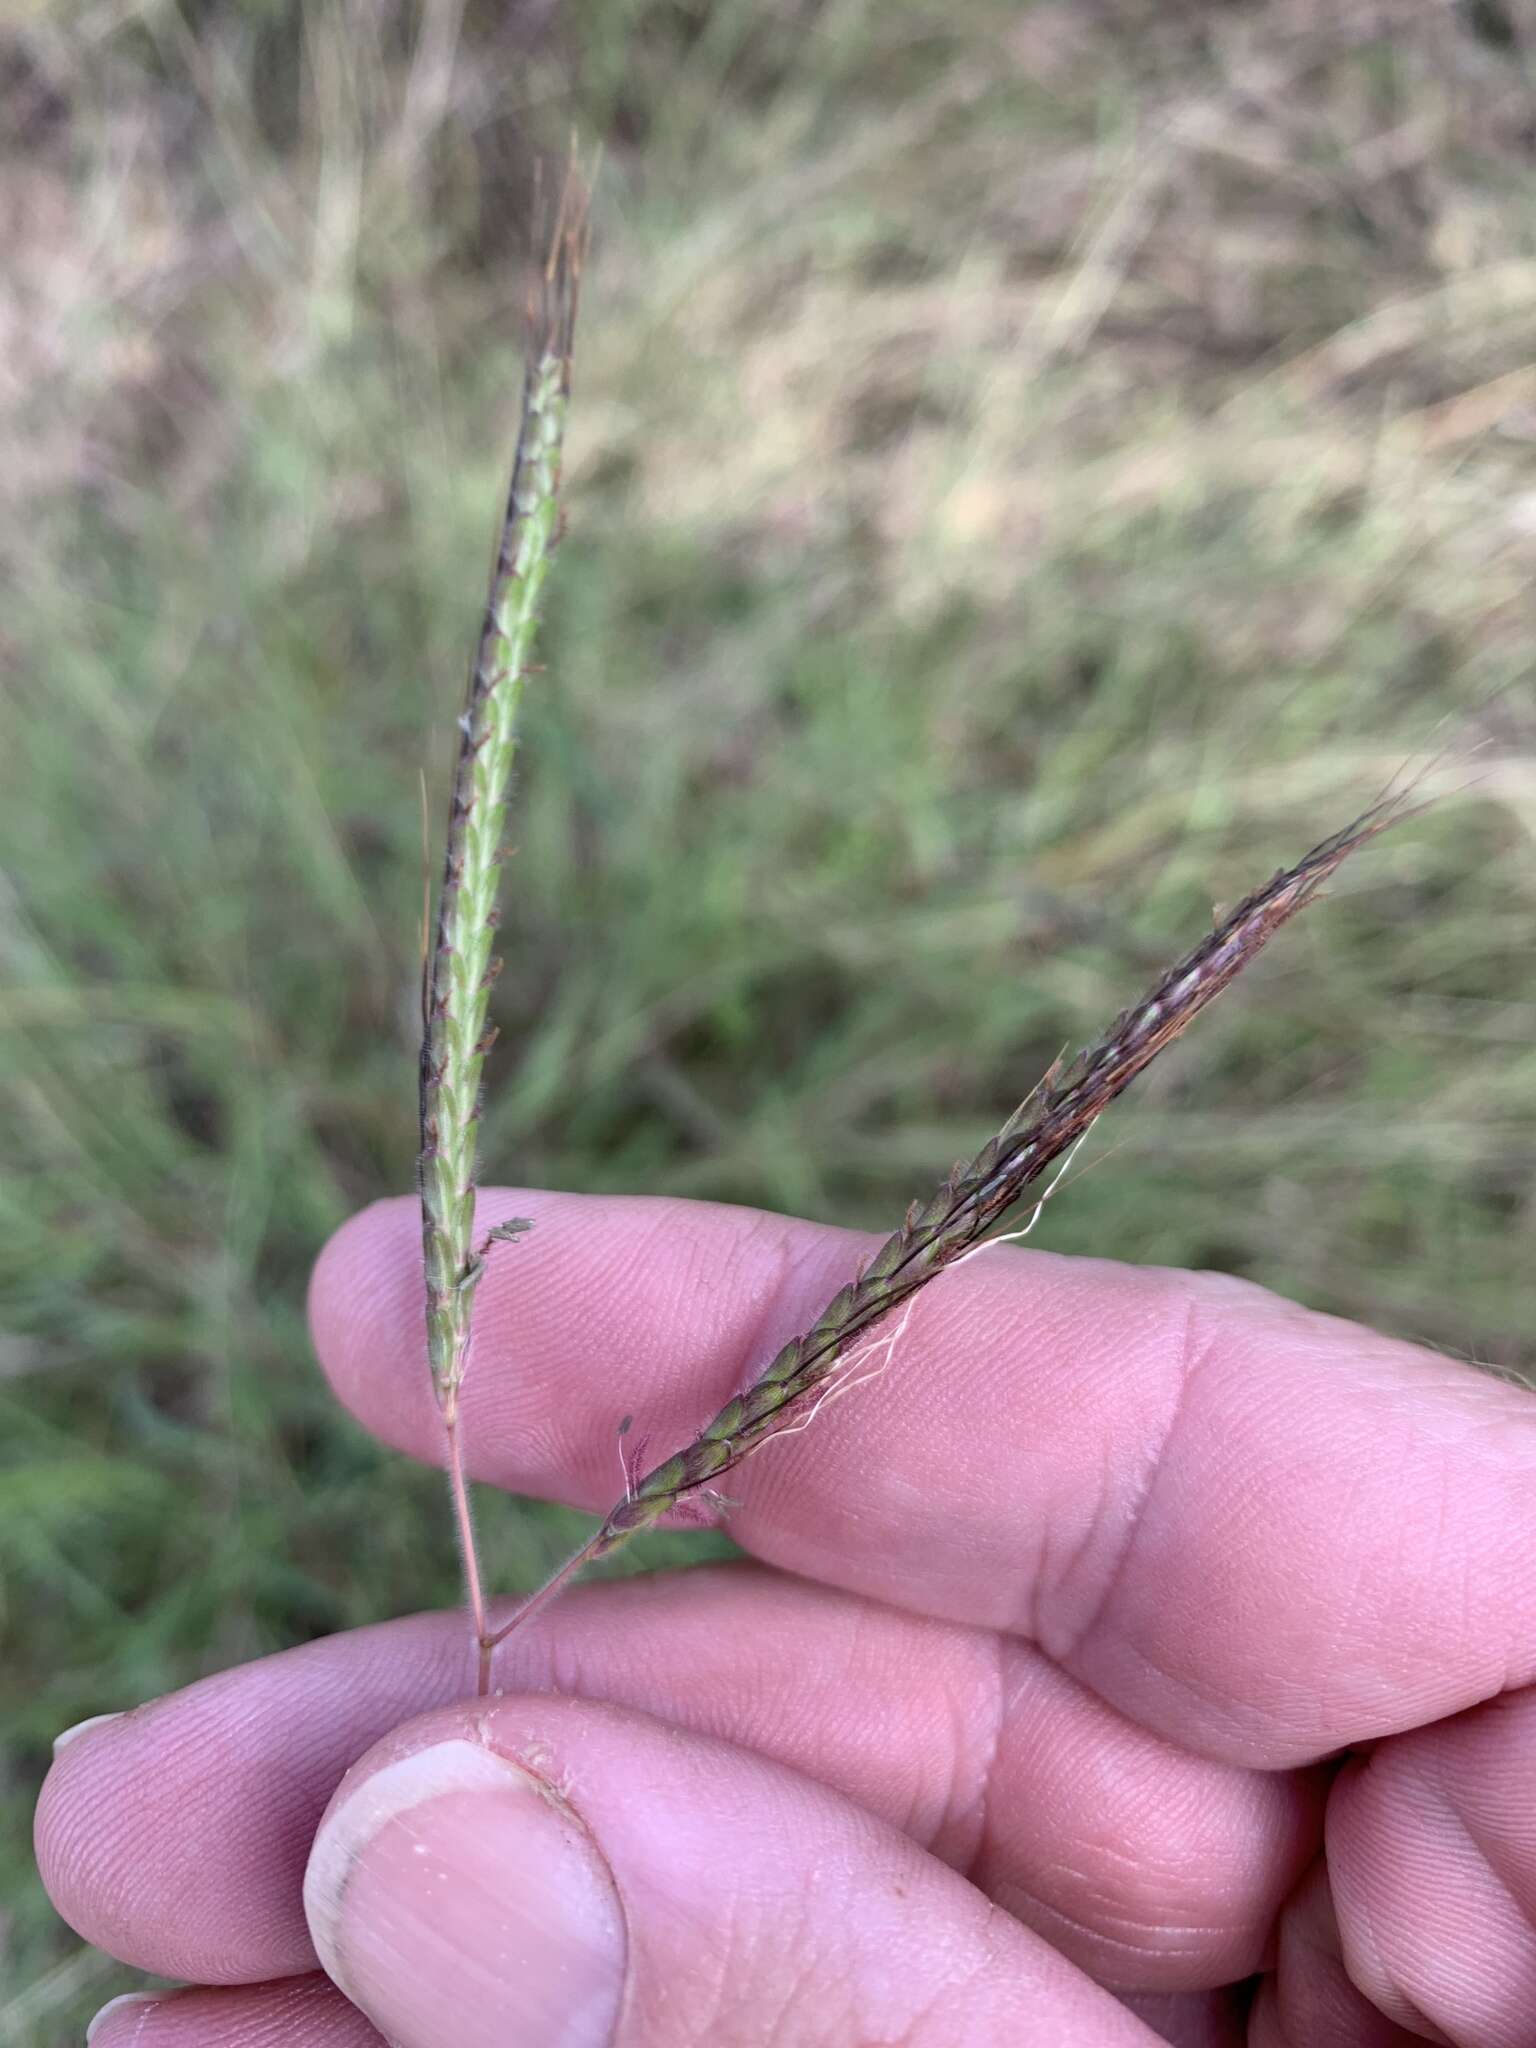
(1091,1590)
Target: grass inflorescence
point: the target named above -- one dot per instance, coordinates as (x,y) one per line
(460,967)
(938,1233)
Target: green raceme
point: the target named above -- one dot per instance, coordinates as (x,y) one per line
(463,966)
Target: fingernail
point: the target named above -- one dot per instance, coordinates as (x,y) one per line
(129,1997)
(69,1735)
(456,1898)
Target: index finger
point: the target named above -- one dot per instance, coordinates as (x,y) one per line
(1258,1530)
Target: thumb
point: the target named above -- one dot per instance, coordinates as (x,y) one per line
(552,1870)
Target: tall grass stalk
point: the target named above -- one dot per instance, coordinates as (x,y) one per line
(460,966)
(938,1233)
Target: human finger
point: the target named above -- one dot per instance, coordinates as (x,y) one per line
(1432,1854)
(1311,1999)
(554,1870)
(1230,1516)
(1194,2019)
(175,1836)
(302,2012)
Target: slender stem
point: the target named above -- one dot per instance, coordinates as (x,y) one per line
(551,1586)
(464,1524)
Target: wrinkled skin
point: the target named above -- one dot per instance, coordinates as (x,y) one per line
(1143,1657)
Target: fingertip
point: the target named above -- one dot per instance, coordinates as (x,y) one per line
(1432,1862)
(66,1736)
(532,1865)
(449,1879)
(119,2020)
(61,1842)
(97,1794)
(361,1285)
(302,2012)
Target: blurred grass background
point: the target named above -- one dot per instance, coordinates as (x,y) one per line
(1035,468)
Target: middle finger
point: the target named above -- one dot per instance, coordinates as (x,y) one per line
(176,1837)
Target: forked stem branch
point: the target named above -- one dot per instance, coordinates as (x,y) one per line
(525,1612)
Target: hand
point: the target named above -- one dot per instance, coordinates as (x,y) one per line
(1138,1634)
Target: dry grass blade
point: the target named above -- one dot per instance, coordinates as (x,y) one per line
(460,967)
(937,1233)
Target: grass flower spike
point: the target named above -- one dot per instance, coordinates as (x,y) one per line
(461,966)
(938,1233)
